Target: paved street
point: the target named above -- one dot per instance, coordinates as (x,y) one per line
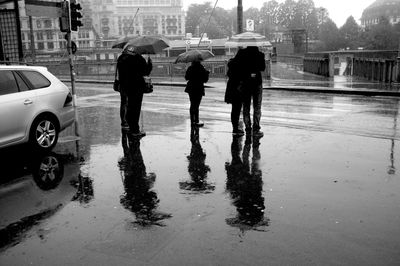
(322,186)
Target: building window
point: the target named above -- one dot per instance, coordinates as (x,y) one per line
(40,46)
(49,35)
(38,24)
(47,24)
(39,36)
(50,45)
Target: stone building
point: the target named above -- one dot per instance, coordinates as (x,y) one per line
(381,8)
(47,36)
(118,18)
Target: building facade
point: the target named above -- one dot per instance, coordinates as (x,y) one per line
(118,18)
(46,33)
(389,9)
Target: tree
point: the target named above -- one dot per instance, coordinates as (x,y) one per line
(269,13)
(287,12)
(329,36)
(350,33)
(195,15)
(382,36)
(199,21)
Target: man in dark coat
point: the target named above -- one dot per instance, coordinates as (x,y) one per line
(132,67)
(196,75)
(253,63)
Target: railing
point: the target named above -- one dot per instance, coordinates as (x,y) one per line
(294,60)
(103,70)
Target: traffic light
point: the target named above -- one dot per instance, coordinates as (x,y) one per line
(64,19)
(75,15)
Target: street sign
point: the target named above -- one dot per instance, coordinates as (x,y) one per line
(249,25)
(42,9)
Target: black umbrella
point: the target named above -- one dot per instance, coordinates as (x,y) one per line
(145,44)
(193,55)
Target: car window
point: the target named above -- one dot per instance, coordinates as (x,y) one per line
(7,82)
(21,84)
(37,80)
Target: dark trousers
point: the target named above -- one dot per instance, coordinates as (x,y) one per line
(235,113)
(123,108)
(195,101)
(255,94)
(133,111)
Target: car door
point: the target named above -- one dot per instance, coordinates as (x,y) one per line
(16,107)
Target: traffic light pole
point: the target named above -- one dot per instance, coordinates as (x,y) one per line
(71,66)
(72,71)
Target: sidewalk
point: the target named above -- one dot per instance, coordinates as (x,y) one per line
(287,78)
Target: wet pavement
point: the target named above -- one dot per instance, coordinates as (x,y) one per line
(321,187)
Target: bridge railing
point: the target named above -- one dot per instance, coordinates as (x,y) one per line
(103,70)
(372,65)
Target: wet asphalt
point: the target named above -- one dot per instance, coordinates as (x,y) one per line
(320,188)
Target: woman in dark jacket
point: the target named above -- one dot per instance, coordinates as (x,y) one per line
(196,75)
(233,94)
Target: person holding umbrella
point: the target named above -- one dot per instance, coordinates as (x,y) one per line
(196,75)
(252,63)
(132,67)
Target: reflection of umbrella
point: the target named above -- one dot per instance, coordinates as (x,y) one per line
(147,44)
(248,39)
(193,55)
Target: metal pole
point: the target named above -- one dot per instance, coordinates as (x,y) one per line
(131,24)
(72,71)
(240,17)
(32,38)
(209,19)
(20,52)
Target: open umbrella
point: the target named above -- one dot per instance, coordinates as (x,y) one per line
(121,42)
(248,39)
(146,44)
(193,55)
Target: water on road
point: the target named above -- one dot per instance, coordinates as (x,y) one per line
(321,187)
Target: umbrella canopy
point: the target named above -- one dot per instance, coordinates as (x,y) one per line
(146,44)
(193,55)
(248,39)
(121,42)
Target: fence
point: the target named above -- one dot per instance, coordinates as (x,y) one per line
(100,70)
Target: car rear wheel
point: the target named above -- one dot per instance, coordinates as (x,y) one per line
(44,133)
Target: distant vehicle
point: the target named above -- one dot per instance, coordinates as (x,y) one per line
(35,107)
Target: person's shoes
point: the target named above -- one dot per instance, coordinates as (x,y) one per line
(138,134)
(258,134)
(238,132)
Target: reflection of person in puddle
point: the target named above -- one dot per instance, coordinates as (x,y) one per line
(197,168)
(139,196)
(244,183)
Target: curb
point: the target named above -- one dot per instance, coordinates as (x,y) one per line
(337,91)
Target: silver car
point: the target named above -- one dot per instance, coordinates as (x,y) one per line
(35,107)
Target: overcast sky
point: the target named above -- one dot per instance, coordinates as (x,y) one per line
(339,10)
